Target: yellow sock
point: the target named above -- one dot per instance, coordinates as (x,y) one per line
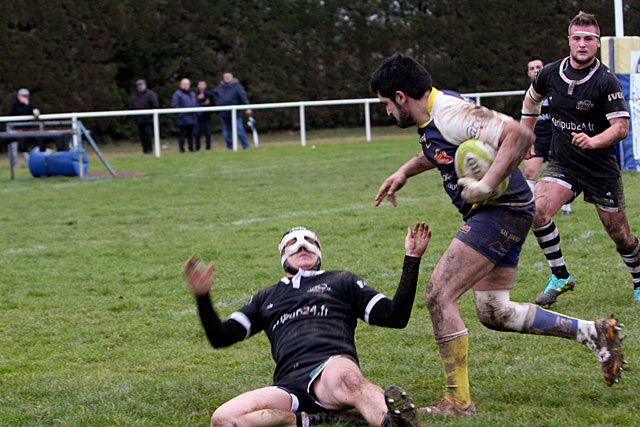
(454,361)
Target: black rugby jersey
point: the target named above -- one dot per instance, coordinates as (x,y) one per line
(309,318)
(584,105)
(543,129)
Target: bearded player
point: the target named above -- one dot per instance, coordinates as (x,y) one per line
(589,117)
(484,253)
(310,317)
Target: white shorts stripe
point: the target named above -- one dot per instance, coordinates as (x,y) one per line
(372,302)
(557,181)
(242,318)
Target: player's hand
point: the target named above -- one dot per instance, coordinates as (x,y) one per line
(531,154)
(417,239)
(197,276)
(582,140)
(389,187)
(475,191)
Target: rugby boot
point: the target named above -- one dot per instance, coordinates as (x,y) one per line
(447,407)
(636,294)
(401,409)
(606,345)
(554,288)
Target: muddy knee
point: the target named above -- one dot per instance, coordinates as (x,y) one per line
(496,311)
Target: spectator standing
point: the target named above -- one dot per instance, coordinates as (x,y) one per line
(205,99)
(185,98)
(231,92)
(144,99)
(21,106)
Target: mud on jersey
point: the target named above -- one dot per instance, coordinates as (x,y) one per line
(309,318)
(584,105)
(455,119)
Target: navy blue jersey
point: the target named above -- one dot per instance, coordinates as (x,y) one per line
(455,119)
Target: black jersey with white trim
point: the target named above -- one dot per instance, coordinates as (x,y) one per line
(584,105)
(309,318)
(543,129)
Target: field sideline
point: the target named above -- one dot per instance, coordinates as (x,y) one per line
(97,327)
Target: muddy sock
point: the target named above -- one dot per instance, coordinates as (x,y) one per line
(550,323)
(453,352)
(549,240)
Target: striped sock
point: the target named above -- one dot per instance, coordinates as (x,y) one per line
(631,258)
(549,240)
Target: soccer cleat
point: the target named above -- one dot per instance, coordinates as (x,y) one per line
(606,344)
(636,294)
(447,407)
(554,288)
(401,411)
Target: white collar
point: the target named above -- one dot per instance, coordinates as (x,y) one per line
(295,280)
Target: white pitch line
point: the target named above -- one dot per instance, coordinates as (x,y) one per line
(292,215)
(22,250)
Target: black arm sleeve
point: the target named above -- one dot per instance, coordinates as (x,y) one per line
(395,313)
(220,334)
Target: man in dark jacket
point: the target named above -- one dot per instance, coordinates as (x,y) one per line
(21,106)
(144,99)
(205,99)
(231,92)
(185,98)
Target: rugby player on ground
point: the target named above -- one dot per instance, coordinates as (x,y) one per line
(541,148)
(310,318)
(589,117)
(484,253)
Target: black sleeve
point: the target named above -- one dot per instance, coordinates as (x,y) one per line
(395,313)
(220,334)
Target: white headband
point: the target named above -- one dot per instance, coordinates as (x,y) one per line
(586,33)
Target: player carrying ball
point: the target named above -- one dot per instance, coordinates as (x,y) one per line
(484,253)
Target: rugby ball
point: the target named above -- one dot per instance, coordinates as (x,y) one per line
(473,158)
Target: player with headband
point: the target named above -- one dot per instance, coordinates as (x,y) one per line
(589,116)
(310,317)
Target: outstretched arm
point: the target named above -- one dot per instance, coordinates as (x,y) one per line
(199,280)
(395,182)
(395,313)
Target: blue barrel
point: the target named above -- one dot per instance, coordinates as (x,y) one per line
(60,163)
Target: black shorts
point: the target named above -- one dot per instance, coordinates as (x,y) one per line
(301,388)
(606,193)
(542,147)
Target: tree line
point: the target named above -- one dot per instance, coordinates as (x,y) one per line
(79,55)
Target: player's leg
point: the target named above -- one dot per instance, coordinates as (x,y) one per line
(531,169)
(617,226)
(207,132)
(197,130)
(496,311)
(341,386)
(268,406)
(181,134)
(550,194)
(459,268)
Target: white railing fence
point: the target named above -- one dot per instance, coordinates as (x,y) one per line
(366,102)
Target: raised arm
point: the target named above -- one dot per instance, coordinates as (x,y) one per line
(199,279)
(395,313)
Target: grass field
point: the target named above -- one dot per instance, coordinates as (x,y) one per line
(97,327)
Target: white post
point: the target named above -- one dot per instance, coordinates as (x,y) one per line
(367,121)
(617,4)
(478,100)
(156,133)
(303,130)
(234,128)
(74,129)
